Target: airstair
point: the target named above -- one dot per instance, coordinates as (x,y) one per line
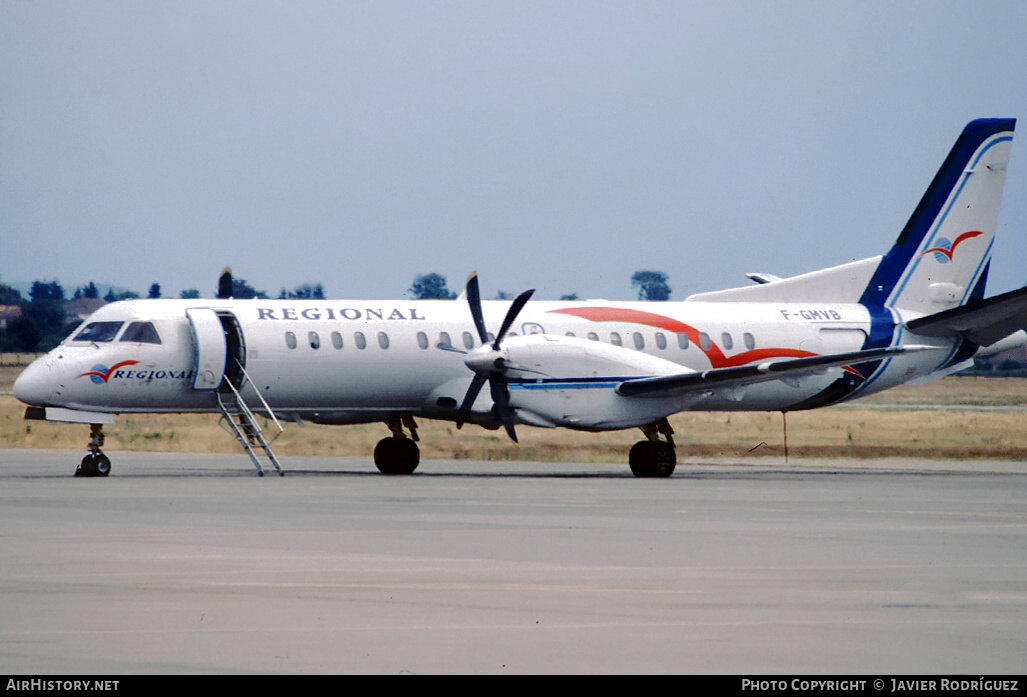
(242,422)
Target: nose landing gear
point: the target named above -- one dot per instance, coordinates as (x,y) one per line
(95,463)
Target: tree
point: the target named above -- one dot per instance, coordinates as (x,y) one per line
(569,296)
(189,294)
(431,286)
(242,290)
(307,291)
(9,296)
(651,285)
(154,291)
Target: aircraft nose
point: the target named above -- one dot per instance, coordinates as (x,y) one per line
(35,384)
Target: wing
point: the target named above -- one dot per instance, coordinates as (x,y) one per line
(760,372)
(983,322)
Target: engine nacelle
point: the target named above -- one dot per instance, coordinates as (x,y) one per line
(567,381)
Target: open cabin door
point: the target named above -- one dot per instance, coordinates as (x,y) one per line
(219,348)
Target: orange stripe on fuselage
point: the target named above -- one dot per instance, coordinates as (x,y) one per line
(714,354)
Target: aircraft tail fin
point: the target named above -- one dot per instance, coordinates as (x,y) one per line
(940,259)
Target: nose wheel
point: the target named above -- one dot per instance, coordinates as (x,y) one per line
(95,463)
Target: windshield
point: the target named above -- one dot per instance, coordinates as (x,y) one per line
(143,332)
(99,331)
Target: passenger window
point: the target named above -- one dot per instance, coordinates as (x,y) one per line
(639,340)
(661,341)
(422,340)
(337,340)
(99,331)
(383,340)
(444,339)
(468,340)
(615,339)
(360,340)
(570,333)
(704,341)
(315,340)
(290,340)
(682,340)
(592,336)
(143,332)
(750,343)
(725,339)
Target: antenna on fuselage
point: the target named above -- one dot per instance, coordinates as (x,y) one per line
(225,284)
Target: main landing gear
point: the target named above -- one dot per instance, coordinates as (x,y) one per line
(95,463)
(654,457)
(398,454)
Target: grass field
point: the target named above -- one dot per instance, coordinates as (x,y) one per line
(953,418)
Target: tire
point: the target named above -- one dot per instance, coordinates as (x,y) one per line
(396,456)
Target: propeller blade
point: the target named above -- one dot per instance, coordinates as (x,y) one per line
(501,398)
(472,394)
(511,315)
(474,301)
(225,284)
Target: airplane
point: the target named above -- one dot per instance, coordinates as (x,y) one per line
(915,313)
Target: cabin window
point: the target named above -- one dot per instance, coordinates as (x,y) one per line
(314,339)
(143,332)
(592,336)
(383,340)
(290,340)
(726,340)
(750,342)
(468,340)
(360,340)
(615,339)
(422,340)
(99,331)
(704,341)
(337,340)
(682,340)
(639,340)
(444,339)
(570,333)
(661,341)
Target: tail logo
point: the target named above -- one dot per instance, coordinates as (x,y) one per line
(945,249)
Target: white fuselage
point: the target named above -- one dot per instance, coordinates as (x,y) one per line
(340,361)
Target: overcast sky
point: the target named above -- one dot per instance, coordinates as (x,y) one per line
(551,145)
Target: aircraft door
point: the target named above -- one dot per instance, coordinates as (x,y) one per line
(210,346)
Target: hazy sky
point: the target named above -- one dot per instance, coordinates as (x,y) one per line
(554,145)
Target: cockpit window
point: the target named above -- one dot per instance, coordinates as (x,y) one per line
(143,332)
(99,331)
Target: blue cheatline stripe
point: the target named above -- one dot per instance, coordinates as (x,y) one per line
(567,383)
(885,277)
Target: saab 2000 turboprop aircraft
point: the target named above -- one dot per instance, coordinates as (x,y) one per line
(784,344)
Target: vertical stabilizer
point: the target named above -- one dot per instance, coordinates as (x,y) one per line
(940,260)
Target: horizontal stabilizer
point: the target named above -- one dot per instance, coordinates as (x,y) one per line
(749,374)
(983,322)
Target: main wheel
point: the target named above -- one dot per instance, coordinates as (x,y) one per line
(86,468)
(396,456)
(649,458)
(102,463)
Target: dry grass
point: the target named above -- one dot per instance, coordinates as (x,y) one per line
(860,432)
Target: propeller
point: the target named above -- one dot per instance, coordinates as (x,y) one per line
(225,284)
(489,362)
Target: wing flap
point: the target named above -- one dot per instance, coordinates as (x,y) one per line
(983,322)
(786,369)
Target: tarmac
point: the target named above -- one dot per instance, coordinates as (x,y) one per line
(191,564)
